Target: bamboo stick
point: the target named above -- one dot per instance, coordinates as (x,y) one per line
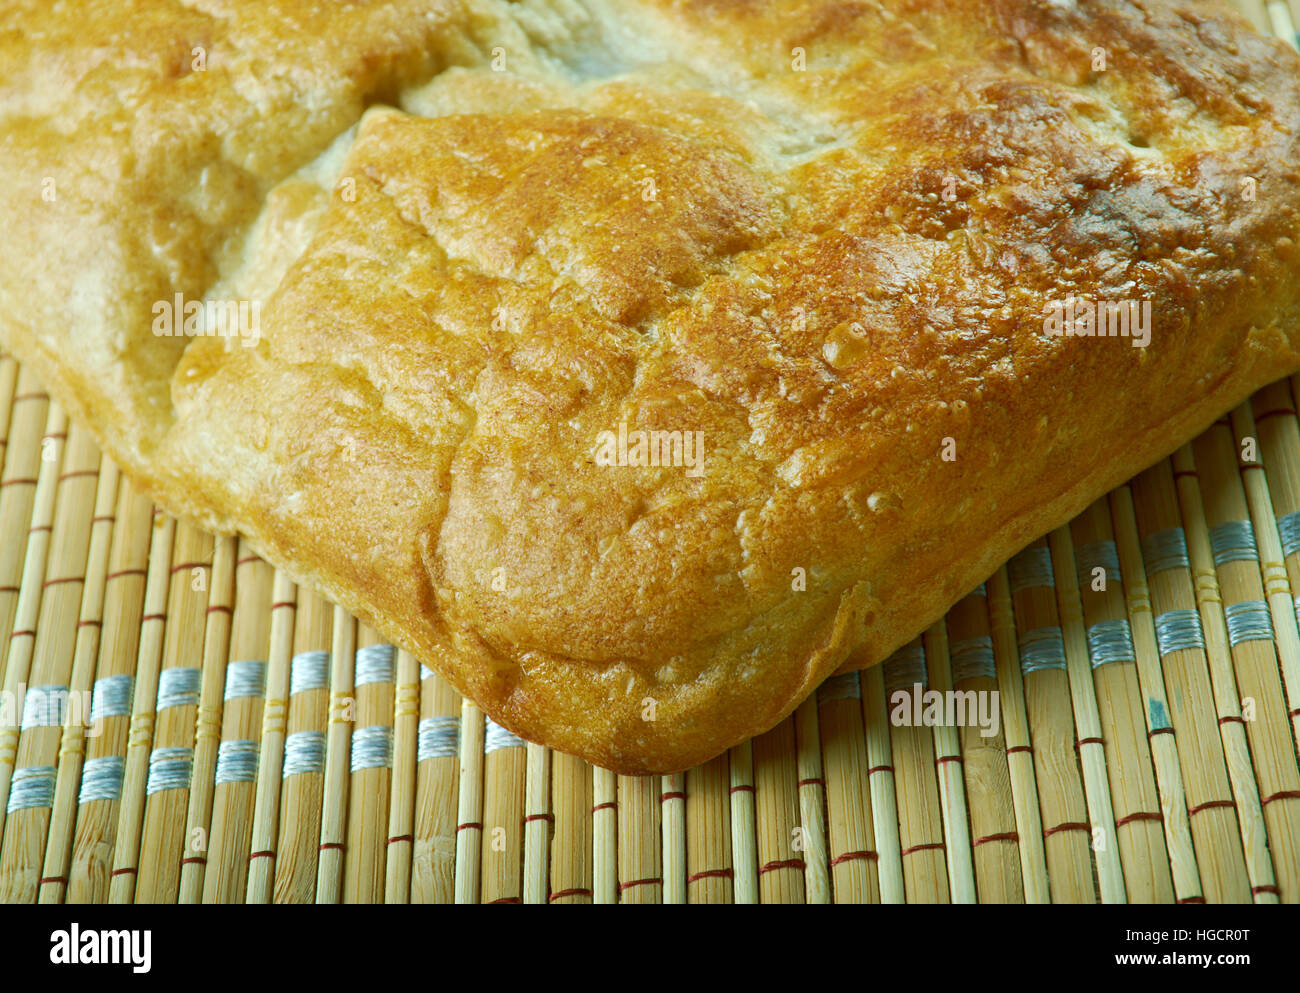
(117,651)
(850,835)
(163,841)
(153,634)
(401,806)
(995,844)
(640,875)
(372,769)
(270,763)
(302,781)
(744,842)
(1044,669)
(1274,499)
(920,824)
(780,836)
(433,871)
(1139,824)
(1020,753)
(51,700)
(469,805)
(1160,732)
(223,800)
(80,728)
(1209,601)
(210,723)
(503,815)
(538,821)
(8,381)
(28,413)
(673,818)
(1294,7)
(812,802)
(1282,19)
(948,770)
(709,875)
(1089,743)
(338,752)
(884,797)
(1269,786)
(571,851)
(34,781)
(1191,702)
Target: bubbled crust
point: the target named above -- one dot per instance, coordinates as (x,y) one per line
(650,218)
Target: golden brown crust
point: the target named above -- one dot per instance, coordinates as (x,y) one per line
(821,234)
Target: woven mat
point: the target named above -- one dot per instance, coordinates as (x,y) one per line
(179,722)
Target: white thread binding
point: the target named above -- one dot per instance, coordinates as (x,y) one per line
(1110,641)
(304,751)
(372,748)
(32,787)
(1248,620)
(169,769)
(245,679)
(1288,529)
(1031,568)
(44,706)
(112,697)
(905,668)
(1098,554)
(374,664)
(309,671)
(101,779)
(495,736)
(843,687)
(236,762)
(972,658)
(1233,541)
(178,687)
(1042,648)
(439,737)
(1163,550)
(1177,630)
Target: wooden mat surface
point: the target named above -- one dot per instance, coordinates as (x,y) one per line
(181,723)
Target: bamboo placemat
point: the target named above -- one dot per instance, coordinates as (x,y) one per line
(180,723)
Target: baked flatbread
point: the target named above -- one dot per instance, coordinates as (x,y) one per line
(463,268)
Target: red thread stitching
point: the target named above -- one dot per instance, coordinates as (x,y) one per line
(1067,826)
(651,881)
(921,848)
(1283,795)
(1210,804)
(709,874)
(563,893)
(1141,815)
(782,864)
(854,857)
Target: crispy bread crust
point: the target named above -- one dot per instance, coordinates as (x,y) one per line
(652,215)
